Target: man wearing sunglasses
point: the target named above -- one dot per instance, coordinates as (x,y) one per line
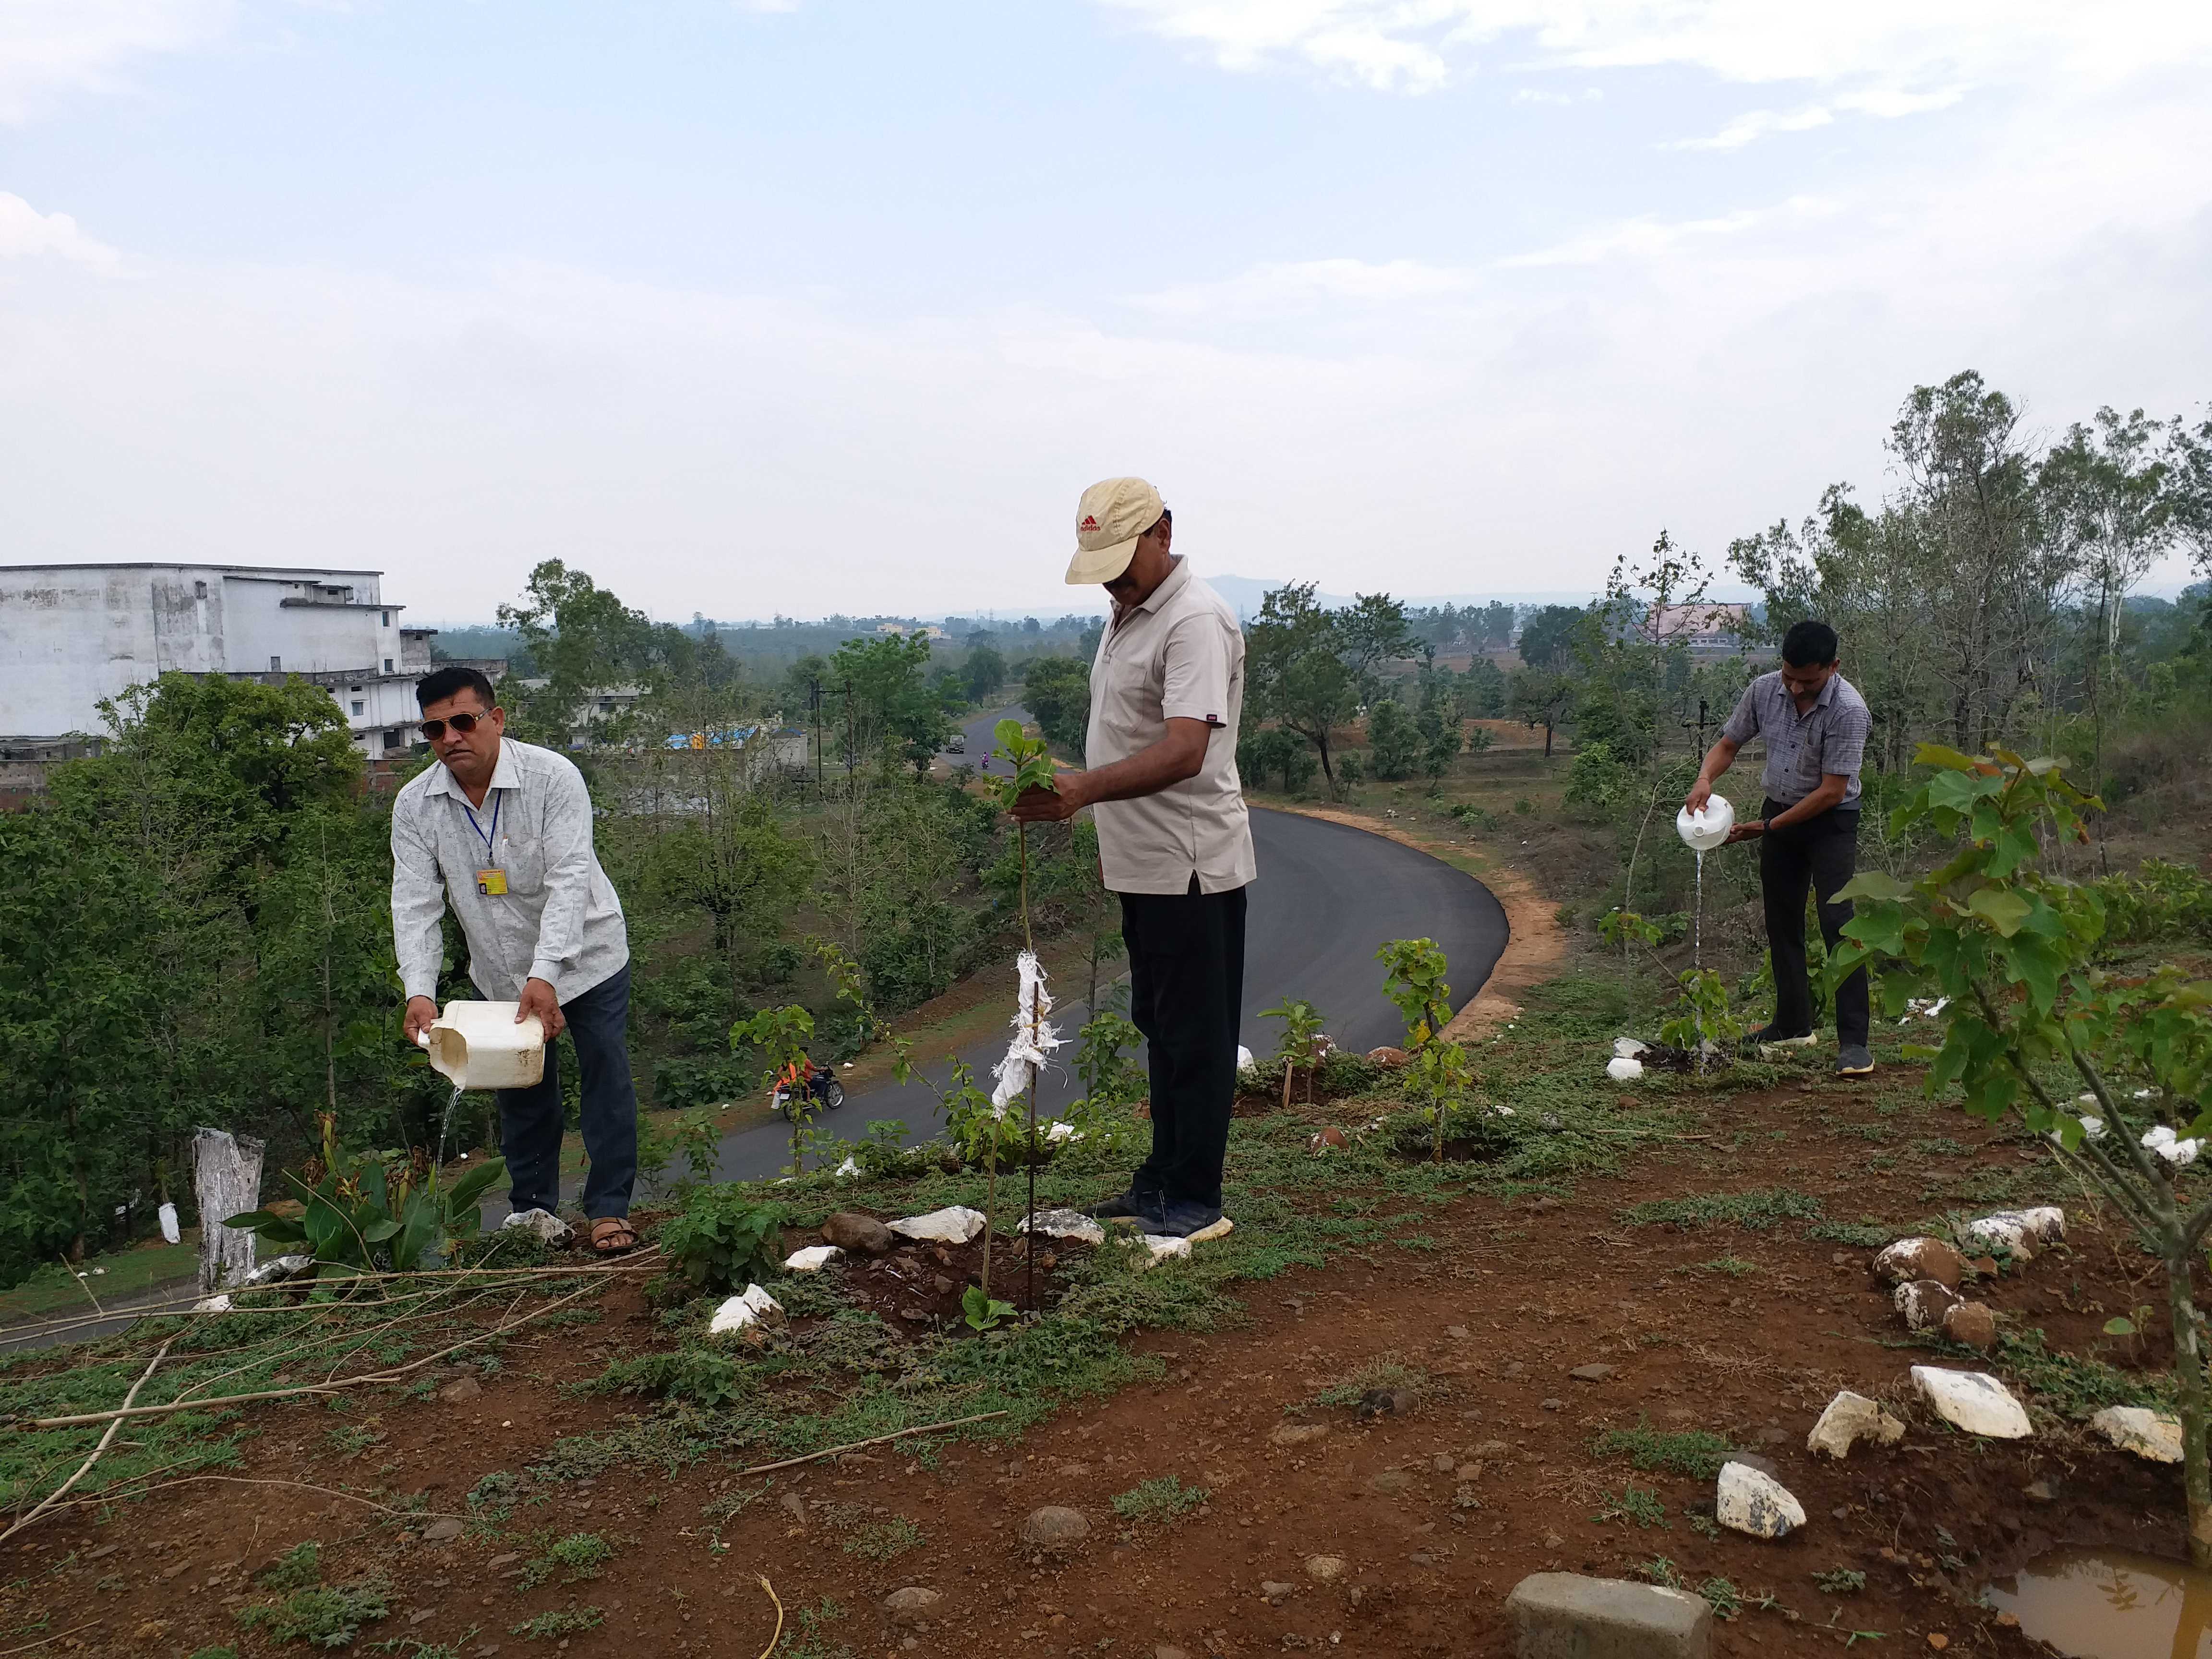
(502,831)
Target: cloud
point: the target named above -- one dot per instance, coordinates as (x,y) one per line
(25,232)
(1886,103)
(1886,46)
(1305,286)
(52,48)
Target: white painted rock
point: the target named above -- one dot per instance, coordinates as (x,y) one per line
(1924,1303)
(1158,1247)
(754,1307)
(1064,1224)
(1060,1129)
(2147,1434)
(812,1260)
(1244,1060)
(1920,1258)
(1623,1068)
(1750,1501)
(541,1224)
(2044,1224)
(1850,1418)
(2007,1233)
(846,1170)
(954,1225)
(1628,1048)
(212,1304)
(1974,1402)
(277,1269)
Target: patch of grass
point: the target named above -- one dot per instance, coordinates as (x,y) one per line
(54,1289)
(1734,1266)
(351,1439)
(326,1617)
(577,1557)
(1864,1234)
(2076,1387)
(1756,1210)
(1723,1597)
(222,1652)
(803,1637)
(1385,1370)
(299,1567)
(1418,1241)
(1633,1503)
(884,1540)
(1698,1453)
(1840,1581)
(1160,1499)
(1939,1146)
(558,1621)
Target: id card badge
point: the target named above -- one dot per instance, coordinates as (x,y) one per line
(492,884)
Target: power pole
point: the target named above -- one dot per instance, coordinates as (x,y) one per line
(849,727)
(814,702)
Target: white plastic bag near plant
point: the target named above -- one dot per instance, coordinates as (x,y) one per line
(1034,1039)
(170,1235)
(751,1308)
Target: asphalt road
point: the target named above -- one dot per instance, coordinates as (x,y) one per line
(1327,898)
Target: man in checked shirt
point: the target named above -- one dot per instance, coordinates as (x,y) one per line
(1815,725)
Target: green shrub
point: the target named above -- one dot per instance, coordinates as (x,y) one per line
(699,1376)
(322,1617)
(724,1239)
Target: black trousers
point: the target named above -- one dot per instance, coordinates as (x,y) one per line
(1186,988)
(530,1120)
(1819,855)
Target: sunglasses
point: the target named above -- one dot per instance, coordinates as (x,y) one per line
(463,724)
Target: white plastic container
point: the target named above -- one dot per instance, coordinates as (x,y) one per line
(1708,827)
(479,1045)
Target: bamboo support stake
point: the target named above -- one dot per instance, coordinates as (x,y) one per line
(857,1445)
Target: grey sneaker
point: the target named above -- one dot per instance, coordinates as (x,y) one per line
(1853,1060)
(1181,1217)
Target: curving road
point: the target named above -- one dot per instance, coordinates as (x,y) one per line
(1328,896)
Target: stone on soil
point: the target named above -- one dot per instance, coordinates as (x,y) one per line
(1298,1434)
(1053,1526)
(956,1223)
(1974,1402)
(1920,1258)
(863,1235)
(443,1530)
(912,1605)
(460,1389)
(1326,1569)
(745,1314)
(1923,1301)
(1971,1325)
(1850,1418)
(1275,1589)
(2003,1231)
(1565,1615)
(1386,1056)
(541,1224)
(1064,1224)
(1595,1373)
(1623,1068)
(1750,1501)
(2147,1434)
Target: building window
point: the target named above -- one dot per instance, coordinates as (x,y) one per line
(356,705)
(276,665)
(387,665)
(199,590)
(388,619)
(391,738)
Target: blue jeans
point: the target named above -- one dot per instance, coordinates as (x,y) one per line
(530,1120)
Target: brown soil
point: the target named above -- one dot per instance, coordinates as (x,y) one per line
(917,1288)
(1491,1474)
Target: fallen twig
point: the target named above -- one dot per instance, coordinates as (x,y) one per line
(85,1467)
(778,1600)
(44,1640)
(855,1445)
(79,1418)
(84,1284)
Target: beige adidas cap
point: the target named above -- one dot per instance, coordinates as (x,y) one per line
(1108,521)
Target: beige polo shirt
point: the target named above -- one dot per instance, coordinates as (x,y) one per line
(1178,655)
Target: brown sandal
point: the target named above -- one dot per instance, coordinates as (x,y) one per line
(616,1228)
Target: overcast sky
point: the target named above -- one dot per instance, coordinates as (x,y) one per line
(814,304)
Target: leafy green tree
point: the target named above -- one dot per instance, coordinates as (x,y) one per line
(890,711)
(985,669)
(1057,692)
(1393,740)
(731,859)
(2111,1069)
(1296,673)
(1272,752)
(1547,638)
(1436,726)
(1541,696)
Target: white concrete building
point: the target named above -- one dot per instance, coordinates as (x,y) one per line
(73,634)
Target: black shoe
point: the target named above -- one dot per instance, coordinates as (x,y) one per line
(1179,1218)
(1852,1059)
(1138,1204)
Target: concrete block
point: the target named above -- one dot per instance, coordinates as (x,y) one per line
(1565,1615)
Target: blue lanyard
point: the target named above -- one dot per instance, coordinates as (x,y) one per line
(489,838)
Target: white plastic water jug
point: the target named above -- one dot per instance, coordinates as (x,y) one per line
(1708,827)
(479,1045)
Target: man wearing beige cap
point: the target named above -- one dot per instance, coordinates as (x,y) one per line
(1174,842)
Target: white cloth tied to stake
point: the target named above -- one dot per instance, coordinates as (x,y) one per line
(1034,1039)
